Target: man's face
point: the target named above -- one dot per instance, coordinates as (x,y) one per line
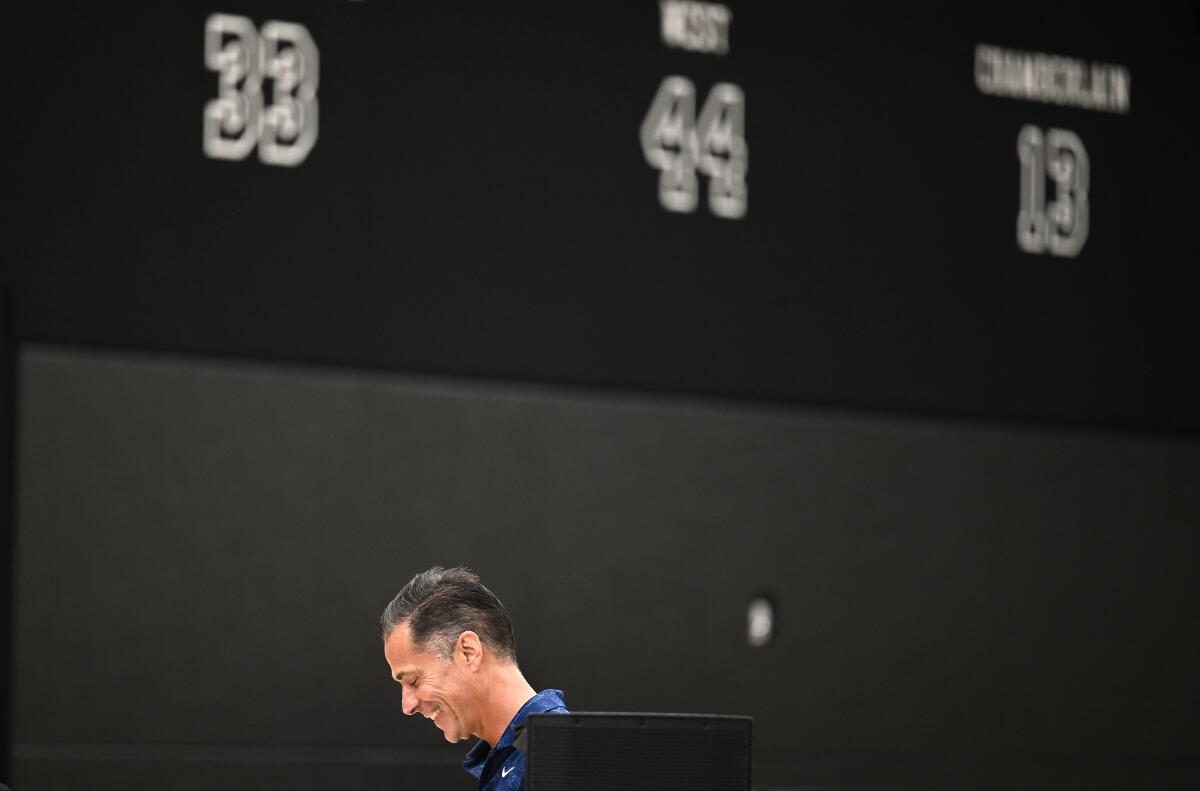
(436,687)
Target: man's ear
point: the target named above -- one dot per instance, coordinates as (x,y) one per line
(470,648)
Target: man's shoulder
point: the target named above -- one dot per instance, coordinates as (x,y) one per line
(504,768)
(548,701)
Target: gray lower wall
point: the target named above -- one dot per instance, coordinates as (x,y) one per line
(203,548)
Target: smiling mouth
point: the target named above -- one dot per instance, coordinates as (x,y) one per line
(434,714)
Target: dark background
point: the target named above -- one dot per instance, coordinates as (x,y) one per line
(245,403)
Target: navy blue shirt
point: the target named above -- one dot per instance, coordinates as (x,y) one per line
(503,768)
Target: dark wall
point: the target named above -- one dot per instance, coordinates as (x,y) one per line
(478,203)
(8,367)
(948,595)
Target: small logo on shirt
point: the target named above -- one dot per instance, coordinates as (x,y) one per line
(504,772)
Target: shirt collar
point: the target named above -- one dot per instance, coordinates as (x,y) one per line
(543,701)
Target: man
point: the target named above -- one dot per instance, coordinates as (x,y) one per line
(449,643)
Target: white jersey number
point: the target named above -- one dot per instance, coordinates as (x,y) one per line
(284,53)
(1059,227)
(678,144)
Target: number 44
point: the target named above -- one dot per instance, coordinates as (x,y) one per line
(678,144)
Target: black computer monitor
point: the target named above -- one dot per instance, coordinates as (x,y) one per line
(609,751)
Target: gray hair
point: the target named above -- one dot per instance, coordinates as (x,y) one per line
(440,604)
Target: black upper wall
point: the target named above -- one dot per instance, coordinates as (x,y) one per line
(478,203)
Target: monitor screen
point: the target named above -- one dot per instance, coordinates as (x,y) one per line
(636,752)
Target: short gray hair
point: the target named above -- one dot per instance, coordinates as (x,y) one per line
(440,604)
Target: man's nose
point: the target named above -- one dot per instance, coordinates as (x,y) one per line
(409,702)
